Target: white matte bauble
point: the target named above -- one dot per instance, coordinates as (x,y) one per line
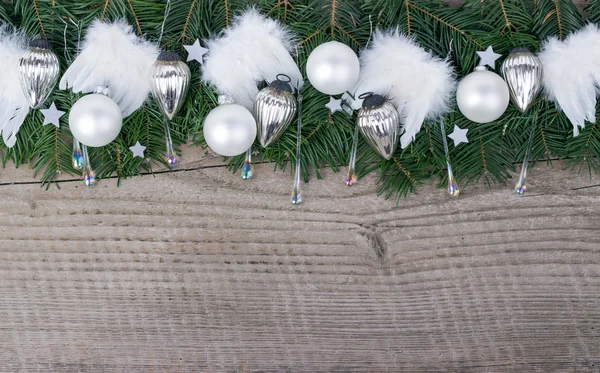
(332,68)
(482,96)
(229,129)
(95,120)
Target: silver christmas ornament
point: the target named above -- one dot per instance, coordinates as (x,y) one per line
(95,119)
(522,71)
(274,110)
(229,129)
(332,68)
(169,81)
(379,123)
(38,72)
(482,96)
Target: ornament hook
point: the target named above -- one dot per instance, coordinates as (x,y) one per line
(283,78)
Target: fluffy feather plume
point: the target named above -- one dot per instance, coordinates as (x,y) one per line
(253,50)
(572,74)
(13,103)
(419,84)
(112,55)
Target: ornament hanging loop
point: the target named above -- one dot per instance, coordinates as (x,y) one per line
(283,78)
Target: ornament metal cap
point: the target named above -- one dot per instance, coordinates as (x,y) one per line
(102,90)
(520,50)
(282,83)
(168,56)
(372,100)
(40,43)
(225,99)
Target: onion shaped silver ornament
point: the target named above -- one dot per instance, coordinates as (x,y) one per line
(379,123)
(169,81)
(38,72)
(274,109)
(522,71)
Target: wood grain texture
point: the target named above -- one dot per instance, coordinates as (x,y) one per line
(198,271)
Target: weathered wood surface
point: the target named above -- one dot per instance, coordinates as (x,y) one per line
(198,271)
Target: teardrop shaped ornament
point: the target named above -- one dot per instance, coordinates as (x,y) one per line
(169,81)
(522,71)
(274,109)
(38,72)
(379,123)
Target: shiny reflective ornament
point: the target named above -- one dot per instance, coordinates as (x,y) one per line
(229,129)
(95,119)
(332,68)
(482,96)
(248,168)
(77,155)
(351,176)
(38,72)
(379,123)
(169,81)
(522,71)
(89,177)
(274,110)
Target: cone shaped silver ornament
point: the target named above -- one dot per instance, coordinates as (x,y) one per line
(522,71)
(274,109)
(38,72)
(379,123)
(169,81)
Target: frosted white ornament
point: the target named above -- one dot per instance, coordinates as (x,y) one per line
(229,129)
(482,96)
(95,120)
(332,68)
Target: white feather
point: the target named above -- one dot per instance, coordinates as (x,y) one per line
(572,74)
(14,106)
(112,55)
(254,49)
(419,84)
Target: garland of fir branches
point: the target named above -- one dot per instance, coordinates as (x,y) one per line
(490,155)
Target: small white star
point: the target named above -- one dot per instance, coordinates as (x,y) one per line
(196,52)
(334,105)
(138,150)
(52,115)
(488,57)
(459,135)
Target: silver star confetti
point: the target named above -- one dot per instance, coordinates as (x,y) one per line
(459,135)
(196,52)
(52,115)
(488,57)
(334,105)
(138,150)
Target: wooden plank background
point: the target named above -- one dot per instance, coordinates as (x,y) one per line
(199,271)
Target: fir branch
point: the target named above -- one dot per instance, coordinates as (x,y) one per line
(226,13)
(137,21)
(104,9)
(184,35)
(406,3)
(306,39)
(37,12)
(333,9)
(448,24)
